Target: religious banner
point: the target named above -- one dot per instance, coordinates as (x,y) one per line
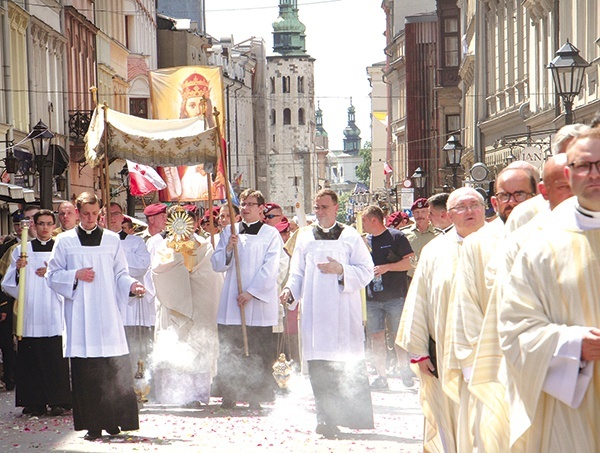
(189,92)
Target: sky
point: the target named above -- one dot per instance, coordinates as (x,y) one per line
(344,36)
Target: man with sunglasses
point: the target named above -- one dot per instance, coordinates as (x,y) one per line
(42,371)
(259,247)
(273,214)
(549,322)
(472,292)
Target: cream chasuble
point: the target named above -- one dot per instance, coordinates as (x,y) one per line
(424,316)
(549,301)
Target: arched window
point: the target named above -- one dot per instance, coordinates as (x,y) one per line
(273,117)
(285,84)
(301,120)
(287,116)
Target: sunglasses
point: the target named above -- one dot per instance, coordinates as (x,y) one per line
(271,216)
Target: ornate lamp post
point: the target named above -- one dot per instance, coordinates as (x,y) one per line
(40,138)
(454,150)
(568,70)
(419,178)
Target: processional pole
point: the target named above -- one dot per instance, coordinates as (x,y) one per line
(232,223)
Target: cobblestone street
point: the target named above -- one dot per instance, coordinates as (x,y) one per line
(287,425)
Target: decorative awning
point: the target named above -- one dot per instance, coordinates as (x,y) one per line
(165,143)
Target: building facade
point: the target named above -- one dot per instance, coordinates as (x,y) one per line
(292,157)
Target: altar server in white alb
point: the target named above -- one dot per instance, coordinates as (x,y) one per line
(88,268)
(259,246)
(549,319)
(42,371)
(138,312)
(330,265)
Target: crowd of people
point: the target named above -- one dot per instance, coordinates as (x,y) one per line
(495,312)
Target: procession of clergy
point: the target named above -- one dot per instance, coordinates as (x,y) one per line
(501,319)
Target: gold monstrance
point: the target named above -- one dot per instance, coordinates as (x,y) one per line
(180,228)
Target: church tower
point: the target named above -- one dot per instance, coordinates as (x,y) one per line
(351,133)
(292,172)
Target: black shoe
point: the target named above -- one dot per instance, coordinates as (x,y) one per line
(9,386)
(113,431)
(227,404)
(93,434)
(254,406)
(327,431)
(380,383)
(56,411)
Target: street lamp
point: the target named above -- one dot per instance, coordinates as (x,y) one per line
(568,70)
(419,178)
(510,159)
(40,138)
(454,150)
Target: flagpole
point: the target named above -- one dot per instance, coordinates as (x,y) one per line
(232,223)
(106,171)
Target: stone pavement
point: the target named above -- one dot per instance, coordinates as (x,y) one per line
(287,425)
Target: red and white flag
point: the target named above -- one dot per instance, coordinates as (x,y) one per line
(143,179)
(387,169)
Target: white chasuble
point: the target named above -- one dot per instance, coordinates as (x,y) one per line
(424,317)
(549,301)
(187,304)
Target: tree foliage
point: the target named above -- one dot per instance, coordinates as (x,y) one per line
(343,205)
(363,171)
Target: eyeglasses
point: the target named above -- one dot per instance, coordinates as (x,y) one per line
(461,209)
(272,216)
(243,204)
(519,196)
(584,168)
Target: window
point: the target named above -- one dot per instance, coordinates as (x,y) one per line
(287,116)
(273,117)
(138,107)
(272,85)
(452,125)
(451,42)
(285,84)
(300,84)
(301,120)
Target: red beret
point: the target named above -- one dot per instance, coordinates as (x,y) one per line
(283,225)
(419,204)
(215,213)
(191,208)
(270,206)
(126,219)
(394,219)
(155,209)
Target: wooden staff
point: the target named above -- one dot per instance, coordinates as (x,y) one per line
(106,171)
(210,214)
(363,292)
(22,277)
(232,223)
